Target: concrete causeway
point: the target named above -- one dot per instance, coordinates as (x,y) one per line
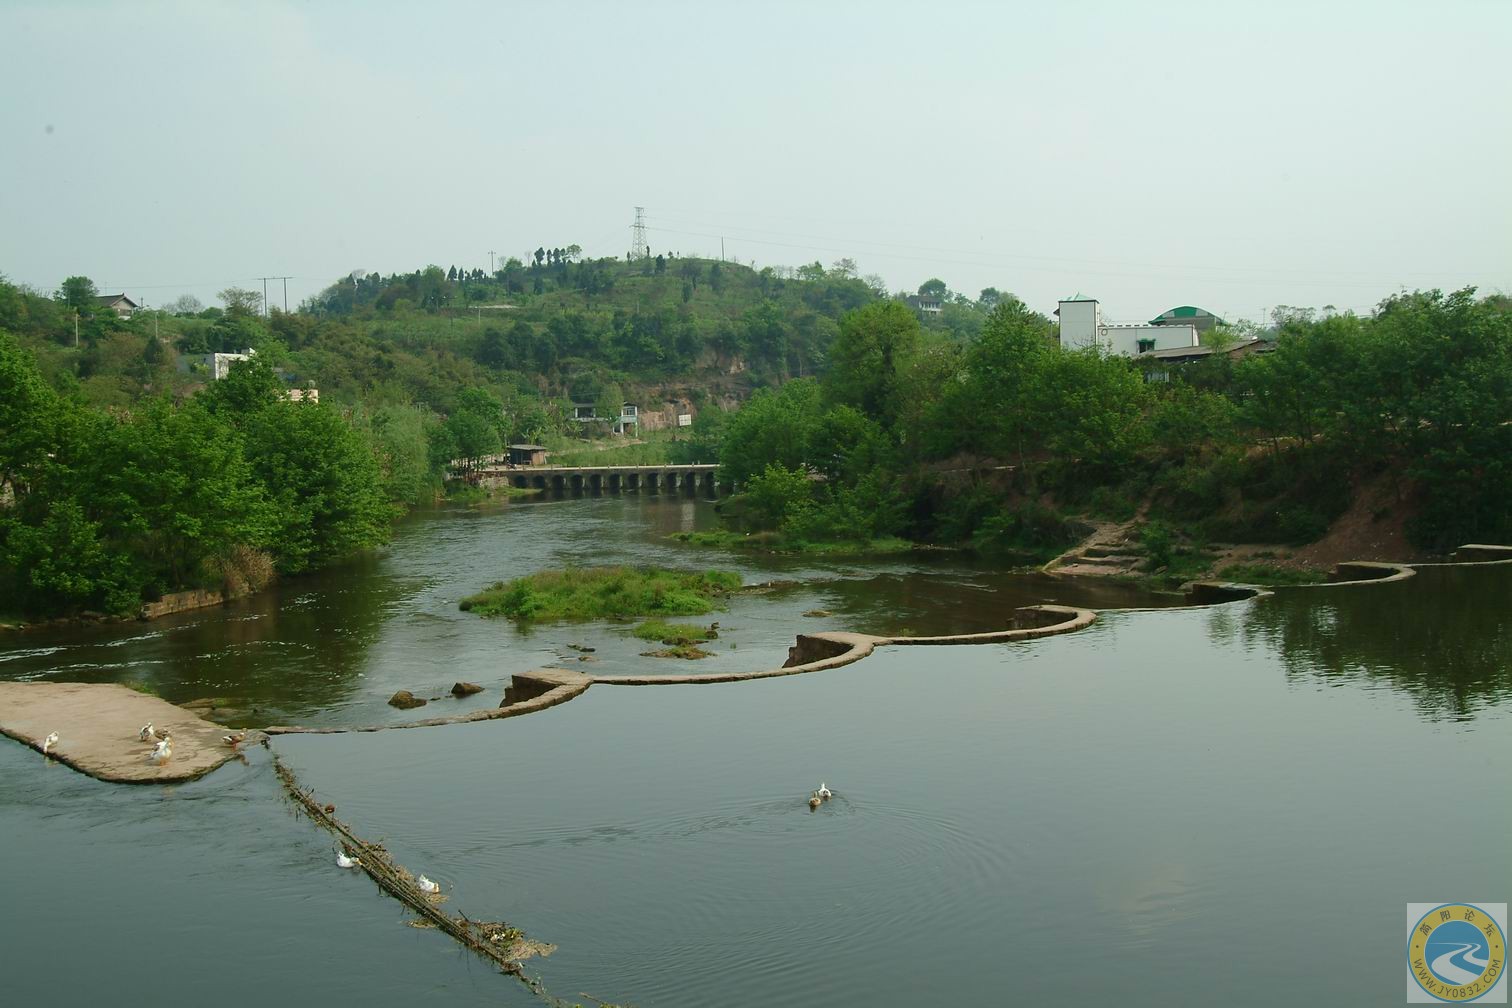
(97,726)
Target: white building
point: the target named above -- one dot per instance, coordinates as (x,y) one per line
(1082,325)
(220,363)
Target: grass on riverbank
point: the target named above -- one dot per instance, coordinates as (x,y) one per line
(461,493)
(588,593)
(776,542)
(1272,575)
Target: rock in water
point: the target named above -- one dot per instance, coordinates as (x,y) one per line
(405,700)
(463,689)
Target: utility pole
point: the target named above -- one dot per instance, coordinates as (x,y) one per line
(76,328)
(265,292)
(721,248)
(490,262)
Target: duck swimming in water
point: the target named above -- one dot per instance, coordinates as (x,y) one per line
(426,885)
(814,800)
(824,792)
(343,861)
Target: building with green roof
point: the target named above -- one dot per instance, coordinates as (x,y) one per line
(1199,318)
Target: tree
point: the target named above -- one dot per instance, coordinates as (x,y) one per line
(186,304)
(493,351)
(240,301)
(472,437)
(843,269)
(249,387)
(29,418)
(78,292)
(661,264)
(989,298)
(778,495)
(933,287)
(606,405)
(716,278)
(772,427)
(874,346)
(540,254)
(1004,385)
(324,481)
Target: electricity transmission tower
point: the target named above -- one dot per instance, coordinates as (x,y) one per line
(638,247)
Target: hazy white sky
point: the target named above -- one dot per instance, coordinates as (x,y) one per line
(1230,155)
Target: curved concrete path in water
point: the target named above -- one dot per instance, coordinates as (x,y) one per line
(97,723)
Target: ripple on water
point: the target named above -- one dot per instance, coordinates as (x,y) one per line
(21,653)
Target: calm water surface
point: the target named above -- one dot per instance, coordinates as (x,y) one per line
(1187,806)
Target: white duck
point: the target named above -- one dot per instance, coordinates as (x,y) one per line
(342,861)
(146,732)
(49,742)
(824,792)
(426,885)
(162,750)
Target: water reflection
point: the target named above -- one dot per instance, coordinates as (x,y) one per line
(1444,637)
(298,648)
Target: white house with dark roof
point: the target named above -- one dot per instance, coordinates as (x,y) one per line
(122,305)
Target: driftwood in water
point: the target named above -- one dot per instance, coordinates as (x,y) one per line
(498,942)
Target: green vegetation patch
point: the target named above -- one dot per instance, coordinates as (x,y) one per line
(688,652)
(776,542)
(675,633)
(1272,575)
(587,593)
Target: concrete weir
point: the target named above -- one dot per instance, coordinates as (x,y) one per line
(98,724)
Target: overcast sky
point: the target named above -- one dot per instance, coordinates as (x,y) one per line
(1229,155)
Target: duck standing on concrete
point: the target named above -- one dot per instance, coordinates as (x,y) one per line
(146,732)
(49,742)
(163,750)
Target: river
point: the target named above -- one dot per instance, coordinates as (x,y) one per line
(1228,804)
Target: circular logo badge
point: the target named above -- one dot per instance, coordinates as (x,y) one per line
(1457,952)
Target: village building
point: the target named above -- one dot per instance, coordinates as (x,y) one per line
(1082,324)
(122,305)
(527,454)
(925,304)
(629,417)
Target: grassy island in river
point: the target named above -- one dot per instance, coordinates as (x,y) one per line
(586,593)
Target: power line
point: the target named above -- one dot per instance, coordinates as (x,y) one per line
(1002,263)
(852,243)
